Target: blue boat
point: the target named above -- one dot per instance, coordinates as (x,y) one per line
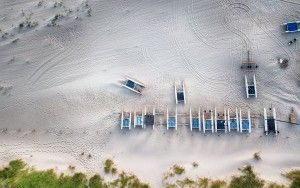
(233,121)
(172,120)
(126,120)
(291,27)
(245,122)
(207,119)
(220,121)
(195,120)
(138,120)
(133,85)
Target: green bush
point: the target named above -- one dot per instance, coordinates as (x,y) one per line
(128,181)
(218,184)
(109,167)
(13,168)
(97,182)
(248,179)
(294,176)
(275,185)
(178,169)
(257,156)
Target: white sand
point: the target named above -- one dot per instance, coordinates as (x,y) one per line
(62,82)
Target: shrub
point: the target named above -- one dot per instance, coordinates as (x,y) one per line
(257,156)
(203,182)
(294,176)
(218,184)
(128,180)
(248,179)
(97,182)
(14,167)
(109,167)
(186,182)
(178,169)
(275,185)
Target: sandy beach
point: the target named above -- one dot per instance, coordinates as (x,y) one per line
(60,92)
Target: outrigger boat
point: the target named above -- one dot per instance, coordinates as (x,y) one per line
(220,121)
(208,124)
(251,87)
(180,93)
(195,120)
(270,121)
(138,119)
(172,120)
(126,120)
(291,27)
(233,121)
(245,122)
(133,85)
(149,118)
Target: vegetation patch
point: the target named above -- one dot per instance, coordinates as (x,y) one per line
(294,176)
(28,23)
(248,179)
(178,170)
(109,167)
(256,156)
(17,175)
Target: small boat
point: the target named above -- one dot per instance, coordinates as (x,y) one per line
(245,122)
(291,27)
(233,121)
(270,121)
(208,124)
(138,119)
(133,85)
(149,118)
(195,120)
(220,121)
(180,93)
(251,90)
(172,120)
(126,120)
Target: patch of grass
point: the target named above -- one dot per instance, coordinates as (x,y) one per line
(16,175)
(178,170)
(128,180)
(218,184)
(294,176)
(186,182)
(170,185)
(248,179)
(13,168)
(55,19)
(97,182)
(28,24)
(109,167)
(203,182)
(256,156)
(275,185)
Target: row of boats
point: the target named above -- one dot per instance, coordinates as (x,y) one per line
(201,120)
